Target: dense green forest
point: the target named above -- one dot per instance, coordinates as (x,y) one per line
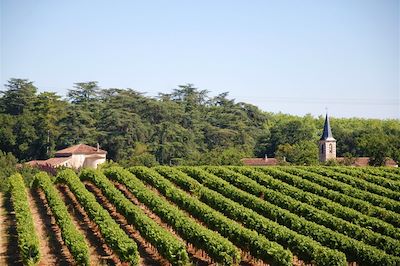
(184,127)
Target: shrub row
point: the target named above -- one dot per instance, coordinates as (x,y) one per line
(320,202)
(376,177)
(113,234)
(295,179)
(167,245)
(310,213)
(354,250)
(218,248)
(304,247)
(249,240)
(28,242)
(357,187)
(73,239)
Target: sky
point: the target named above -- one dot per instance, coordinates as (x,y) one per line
(294,57)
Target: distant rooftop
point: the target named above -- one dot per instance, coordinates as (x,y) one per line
(259,161)
(49,162)
(80,149)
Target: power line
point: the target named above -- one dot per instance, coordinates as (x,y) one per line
(298,100)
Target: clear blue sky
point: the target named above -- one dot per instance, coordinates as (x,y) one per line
(294,56)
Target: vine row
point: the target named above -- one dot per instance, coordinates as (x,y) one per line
(71,236)
(113,234)
(218,248)
(304,247)
(320,202)
(377,177)
(249,240)
(354,250)
(392,173)
(293,176)
(358,187)
(310,213)
(346,190)
(28,241)
(167,245)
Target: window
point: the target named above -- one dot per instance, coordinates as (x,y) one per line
(330,148)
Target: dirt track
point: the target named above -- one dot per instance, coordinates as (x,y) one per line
(4,225)
(8,235)
(100,253)
(52,250)
(148,254)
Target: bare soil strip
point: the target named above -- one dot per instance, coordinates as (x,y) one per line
(247,258)
(100,253)
(9,254)
(148,254)
(3,232)
(198,256)
(12,255)
(52,248)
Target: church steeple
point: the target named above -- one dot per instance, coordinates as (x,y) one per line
(327,133)
(327,144)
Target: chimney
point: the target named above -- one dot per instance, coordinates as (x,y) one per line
(98,147)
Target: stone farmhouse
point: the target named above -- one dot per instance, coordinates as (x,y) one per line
(77,157)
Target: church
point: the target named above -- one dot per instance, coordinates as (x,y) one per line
(327,149)
(327,152)
(327,144)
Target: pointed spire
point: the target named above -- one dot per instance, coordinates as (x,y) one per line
(327,133)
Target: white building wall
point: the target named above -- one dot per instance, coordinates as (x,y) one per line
(94,162)
(79,161)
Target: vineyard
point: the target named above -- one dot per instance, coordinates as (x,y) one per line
(230,215)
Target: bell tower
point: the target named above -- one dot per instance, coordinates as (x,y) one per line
(327,144)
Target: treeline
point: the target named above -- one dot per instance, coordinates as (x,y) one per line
(184,127)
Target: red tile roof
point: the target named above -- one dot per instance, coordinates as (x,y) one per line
(54,162)
(80,149)
(259,161)
(391,162)
(35,162)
